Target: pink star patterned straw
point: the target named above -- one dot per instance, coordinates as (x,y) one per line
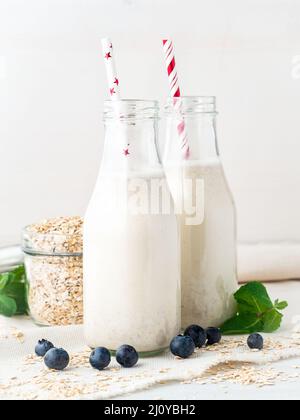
(112,77)
(113,83)
(175,93)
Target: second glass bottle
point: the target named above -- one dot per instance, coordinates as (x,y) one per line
(207,212)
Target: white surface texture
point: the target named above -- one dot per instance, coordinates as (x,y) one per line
(52,85)
(144,381)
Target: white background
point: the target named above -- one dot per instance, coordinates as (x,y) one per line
(52,85)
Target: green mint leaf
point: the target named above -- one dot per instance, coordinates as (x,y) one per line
(281,305)
(8,306)
(18,292)
(253,298)
(272,321)
(255,311)
(4,280)
(13,285)
(18,272)
(242,324)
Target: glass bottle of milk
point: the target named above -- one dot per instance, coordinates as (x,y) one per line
(207,212)
(131,239)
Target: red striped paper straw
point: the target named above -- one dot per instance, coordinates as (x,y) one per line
(176,93)
(110,64)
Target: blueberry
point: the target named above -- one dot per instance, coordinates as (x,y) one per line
(100,358)
(214,336)
(42,347)
(127,356)
(57,359)
(182,346)
(198,335)
(255,341)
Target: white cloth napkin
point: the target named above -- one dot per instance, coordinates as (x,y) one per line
(269,262)
(148,373)
(33,381)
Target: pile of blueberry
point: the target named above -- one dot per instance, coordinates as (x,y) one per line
(194,336)
(184,346)
(59,359)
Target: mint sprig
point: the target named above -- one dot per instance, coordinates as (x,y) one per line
(13,293)
(255,311)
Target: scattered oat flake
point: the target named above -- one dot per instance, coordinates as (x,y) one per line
(243,374)
(164,370)
(73,384)
(18,335)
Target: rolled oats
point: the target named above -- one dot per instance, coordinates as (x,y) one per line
(54,266)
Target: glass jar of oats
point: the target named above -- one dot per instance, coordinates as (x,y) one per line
(54,268)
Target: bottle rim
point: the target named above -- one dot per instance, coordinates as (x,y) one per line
(131,109)
(190,105)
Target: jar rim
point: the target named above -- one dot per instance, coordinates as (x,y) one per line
(29,248)
(35,253)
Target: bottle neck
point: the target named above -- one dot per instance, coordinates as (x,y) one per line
(130,137)
(196,117)
(131,147)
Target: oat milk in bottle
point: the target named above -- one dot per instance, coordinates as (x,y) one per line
(207,213)
(131,250)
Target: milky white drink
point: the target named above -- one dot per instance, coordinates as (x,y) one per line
(207,219)
(208,250)
(131,256)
